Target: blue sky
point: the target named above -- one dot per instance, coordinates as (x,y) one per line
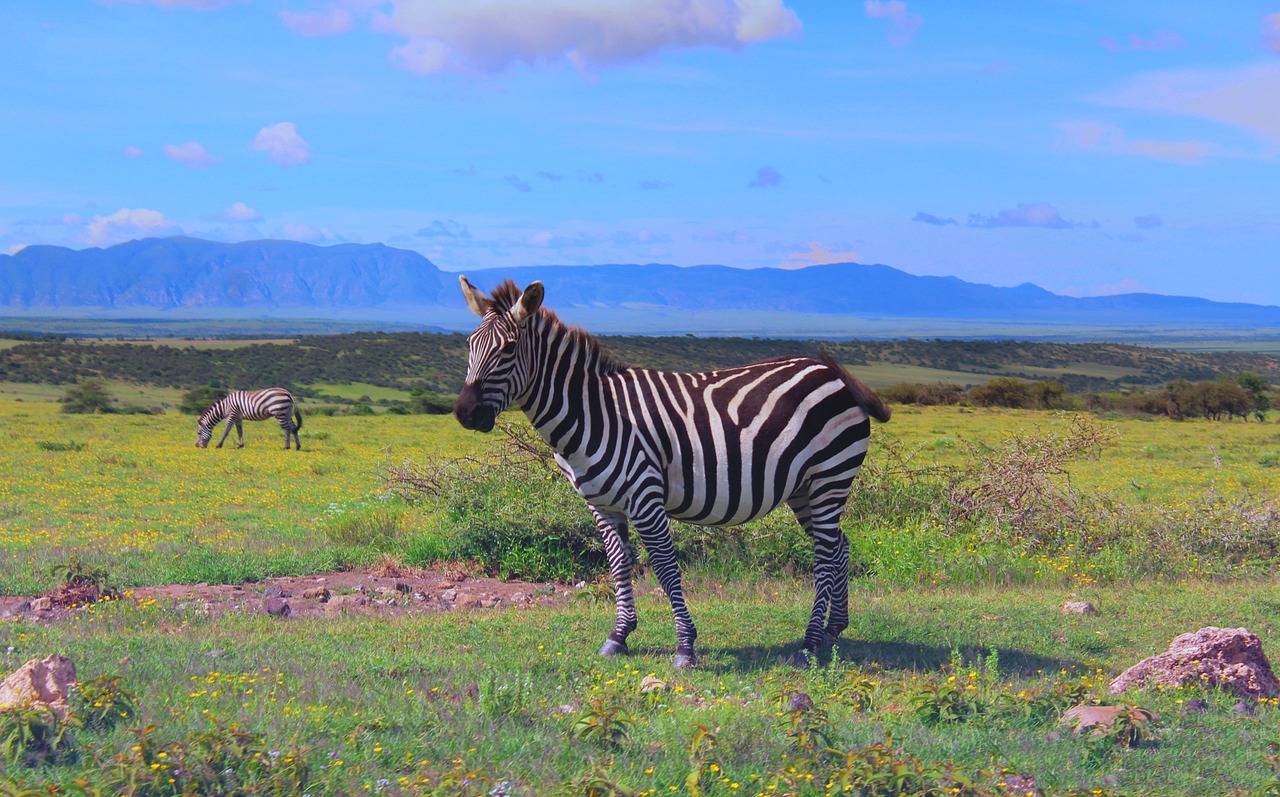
(1088,147)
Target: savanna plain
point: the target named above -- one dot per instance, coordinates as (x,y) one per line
(969,529)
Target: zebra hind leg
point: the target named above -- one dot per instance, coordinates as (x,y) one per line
(821,519)
(613,528)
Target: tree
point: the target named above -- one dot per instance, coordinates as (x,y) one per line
(197,400)
(88,397)
(1257,388)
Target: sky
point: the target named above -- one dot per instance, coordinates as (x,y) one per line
(1088,147)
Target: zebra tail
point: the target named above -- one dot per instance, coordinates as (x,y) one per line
(297,415)
(863,396)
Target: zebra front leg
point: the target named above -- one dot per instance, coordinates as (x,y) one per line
(613,528)
(226,431)
(655,532)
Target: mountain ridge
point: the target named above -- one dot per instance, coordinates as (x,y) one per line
(208,277)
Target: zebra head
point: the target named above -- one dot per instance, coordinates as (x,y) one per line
(497,362)
(204,427)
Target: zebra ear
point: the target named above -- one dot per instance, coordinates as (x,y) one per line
(476,300)
(529,302)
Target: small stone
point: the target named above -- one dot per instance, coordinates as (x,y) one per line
(420,596)
(1242,709)
(469,601)
(800,702)
(1195,706)
(490,601)
(1079,607)
(520,598)
(215,654)
(321,594)
(449,596)
(276,591)
(42,604)
(277,607)
(651,683)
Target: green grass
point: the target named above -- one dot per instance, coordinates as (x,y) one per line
(124,392)
(357,390)
(496,692)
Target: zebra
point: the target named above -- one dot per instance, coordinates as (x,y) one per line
(643,446)
(250,405)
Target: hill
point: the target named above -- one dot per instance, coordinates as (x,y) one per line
(186,277)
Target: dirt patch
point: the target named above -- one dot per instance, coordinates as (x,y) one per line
(380,590)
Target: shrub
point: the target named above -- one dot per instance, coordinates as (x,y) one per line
(104,702)
(88,397)
(33,736)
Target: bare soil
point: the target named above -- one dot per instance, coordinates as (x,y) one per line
(381,590)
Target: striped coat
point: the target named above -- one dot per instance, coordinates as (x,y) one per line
(251,405)
(644,446)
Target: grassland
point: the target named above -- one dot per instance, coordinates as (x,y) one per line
(417,704)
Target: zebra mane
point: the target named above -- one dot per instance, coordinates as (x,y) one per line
(505,296)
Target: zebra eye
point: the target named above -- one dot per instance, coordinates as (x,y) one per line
(509,347)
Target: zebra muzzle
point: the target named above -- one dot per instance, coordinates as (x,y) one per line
(471,413)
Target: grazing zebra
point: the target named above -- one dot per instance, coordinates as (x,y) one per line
(644,446)
(251,405)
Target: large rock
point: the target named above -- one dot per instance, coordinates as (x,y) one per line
(1230,658)
(41,683)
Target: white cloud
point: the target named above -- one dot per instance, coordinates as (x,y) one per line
(817,255)
(766,177)
(488,37)
(1161,40)
(240,212)
(1271,32)
(283,144)
(318,23)
(16,248)
(132,152)
(1100,137)
(903,25)
(191,154)
(1039,214)
(306,233)
(127,224)
(1244,97)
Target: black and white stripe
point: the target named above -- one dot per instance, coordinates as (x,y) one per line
(251,405)
(643,446)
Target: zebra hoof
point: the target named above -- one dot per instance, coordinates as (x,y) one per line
(685,661)
(803,659)
(614,648)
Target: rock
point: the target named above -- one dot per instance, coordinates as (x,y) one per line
(490,601)
(800,702)
(321,594)
(41,683)
(1079,607)
(337,603)
(521,598)
(42,604)
(449,596)
(1229,658)
(651,683)
(1101,718)
(277,607)
(275,591)
(215,654)
(1242,709)
(1195,706)
(1019,785)
(468,601)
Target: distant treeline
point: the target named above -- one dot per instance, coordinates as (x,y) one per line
(437,362)
(1227,397)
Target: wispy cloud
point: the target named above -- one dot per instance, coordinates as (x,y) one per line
(520,185)
(1110,139)
(817,255)
(131,152)
(929,218)
(191,154)
(490,37)
(1244,97)
(1147,222)
(444,229)
(1160,40)
(766,177)
(903,25)
(199,5)
(127,224)
(240,212)
(1040,214)
(651,185)
(282,144)
(1271,32)
(326,22)
(551,177)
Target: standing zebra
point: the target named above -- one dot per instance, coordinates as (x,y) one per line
(251,405)
(644,446)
